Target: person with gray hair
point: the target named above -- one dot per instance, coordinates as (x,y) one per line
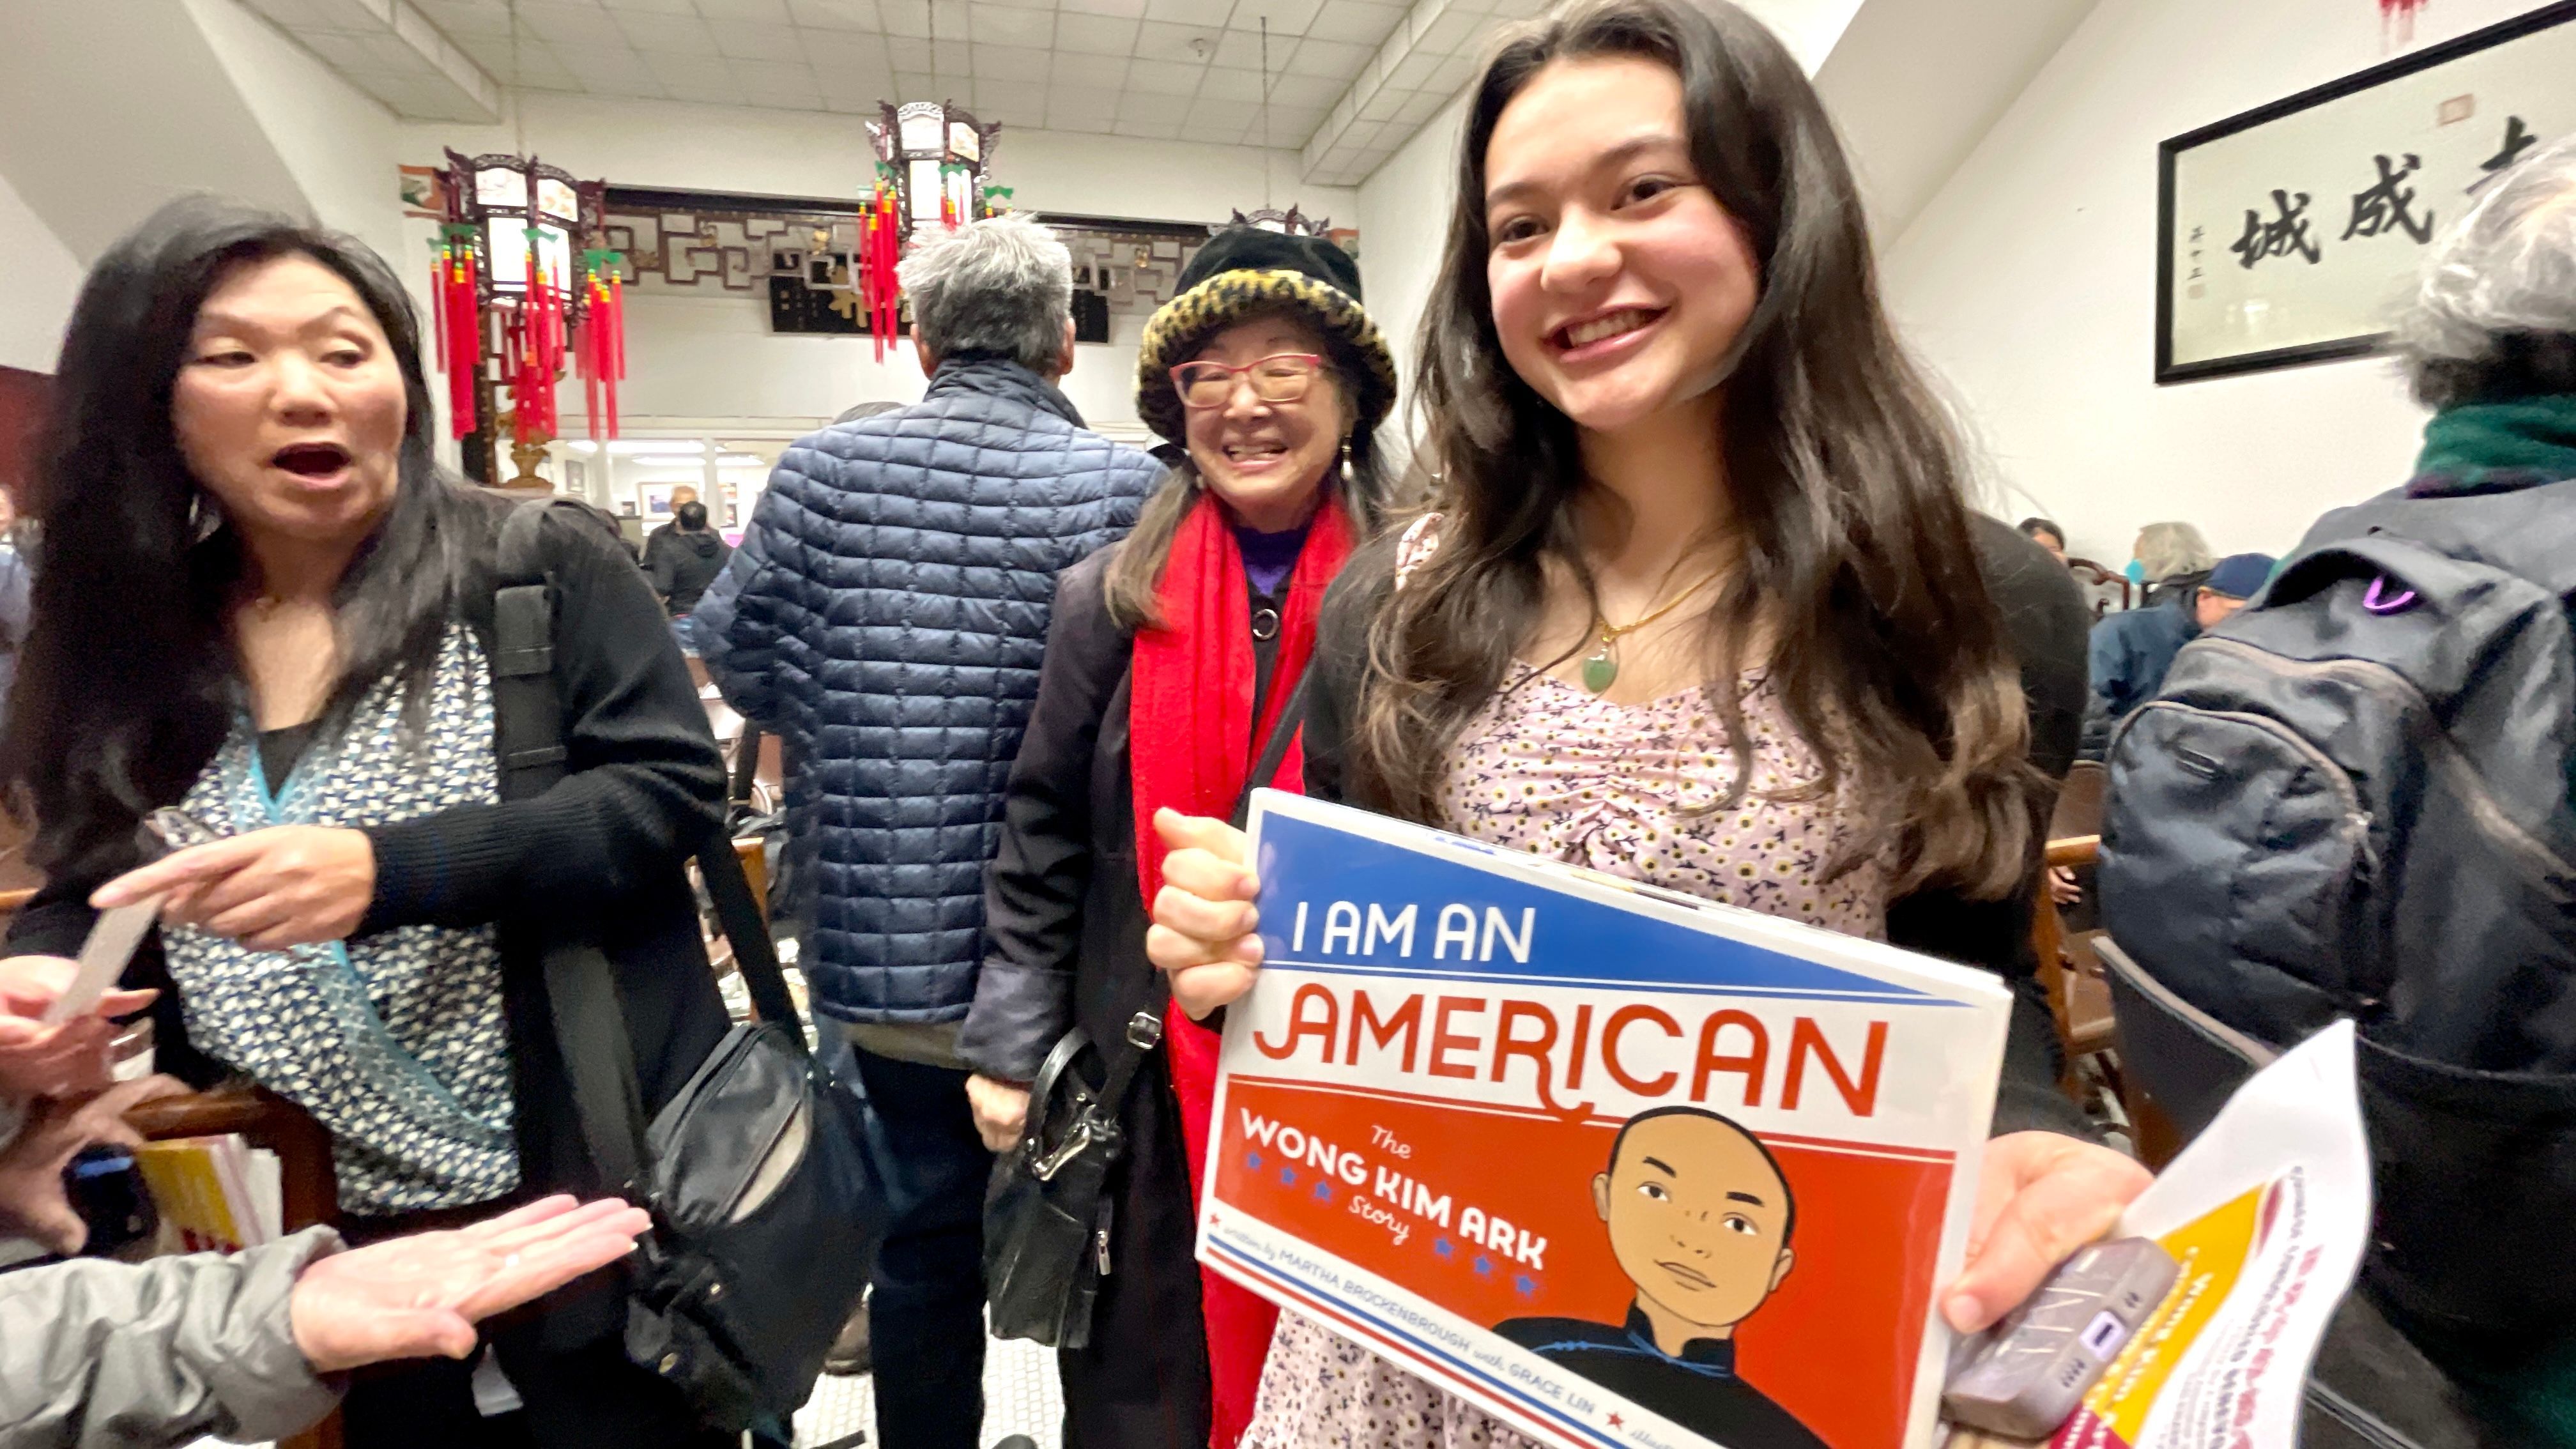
(885,618)
(2168,551)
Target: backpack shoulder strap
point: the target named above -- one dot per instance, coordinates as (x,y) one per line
(581,986)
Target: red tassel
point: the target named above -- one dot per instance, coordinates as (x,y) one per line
(2399,15)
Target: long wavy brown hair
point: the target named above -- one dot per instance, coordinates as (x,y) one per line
(1856,578)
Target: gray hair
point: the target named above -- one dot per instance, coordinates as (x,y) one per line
(2168,549)
(2494,314)
(1001,285)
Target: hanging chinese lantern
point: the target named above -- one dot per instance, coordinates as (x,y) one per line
(512,299)
(930,169)
(2400,14)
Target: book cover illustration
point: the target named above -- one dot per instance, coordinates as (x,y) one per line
(1623,1167)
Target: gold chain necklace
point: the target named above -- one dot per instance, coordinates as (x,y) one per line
(1601,668)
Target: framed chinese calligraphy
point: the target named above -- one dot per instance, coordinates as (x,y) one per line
(2290,233)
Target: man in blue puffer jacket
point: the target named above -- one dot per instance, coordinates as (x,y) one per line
(884,617)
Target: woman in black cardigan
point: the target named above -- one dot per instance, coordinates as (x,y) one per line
(262,601)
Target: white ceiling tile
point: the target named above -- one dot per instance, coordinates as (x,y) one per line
(1381,104)
(845,48)
(347,53)
(1413,73)
(1232,85)
(1002,25)
(1142,106)
(1025,64)
(1162,40)
(1164,78)
(909,18)
(571,24)
(726,12)
(457,19)
(670,34)
(1149,130)
(1520,9)
(1355,22)
(1100,72)
(835,14)
(1418,107)
(1454,71)
(1094,107)
(1328,57)
(758,40)
(396,56)
(1242,50)
(1211,114)
(908,56)
(1286,17)
(1291,126)
(788,83)
(620,71)
(693,71)
(1360,133)
(492,52)
(1304,90)
(911,86)
(539,70)
(1094,35)
(850,105)
(651,7)
(719,91)
(1013,103)
(1190,12)
(1453,31)
(1122,9)
(861,86)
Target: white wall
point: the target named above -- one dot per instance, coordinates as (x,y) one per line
(2028,282)
(339,143)
(714,358)
(1404,220)
(44,278)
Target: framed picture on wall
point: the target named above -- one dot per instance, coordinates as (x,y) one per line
(2291,233)
(656,498)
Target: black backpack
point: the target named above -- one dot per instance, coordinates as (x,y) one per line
(2353,800)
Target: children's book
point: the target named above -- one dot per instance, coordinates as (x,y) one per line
(217,1193)
(1621,1166)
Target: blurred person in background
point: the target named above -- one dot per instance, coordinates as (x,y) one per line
(689,561)
(265,603)
(2047,535)
(2132,649)
(657,538)
(2167,558)
(885,618)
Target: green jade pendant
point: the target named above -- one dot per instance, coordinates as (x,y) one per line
(1600,671)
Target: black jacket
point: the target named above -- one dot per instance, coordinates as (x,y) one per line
(607,846)
(682,562)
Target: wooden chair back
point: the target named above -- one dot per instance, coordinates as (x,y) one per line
(2102,585)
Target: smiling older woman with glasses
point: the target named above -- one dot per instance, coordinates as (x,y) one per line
(1168,666)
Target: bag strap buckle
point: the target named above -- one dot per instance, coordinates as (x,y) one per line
(1144,1031)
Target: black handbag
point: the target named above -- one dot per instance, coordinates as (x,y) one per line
(763,1174)
(1047,1212)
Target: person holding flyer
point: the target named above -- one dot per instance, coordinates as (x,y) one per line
(1170,662)
(1698,603)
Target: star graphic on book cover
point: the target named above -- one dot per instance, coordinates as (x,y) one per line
(1525,1285)
(1323,1192)
(1252,1161)
(1484,1265)
(1442,1247)
(1617,1423)
(1287,1177)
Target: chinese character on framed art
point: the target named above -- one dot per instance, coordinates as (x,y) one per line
(2292,233)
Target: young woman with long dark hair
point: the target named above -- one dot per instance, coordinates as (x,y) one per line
(264,602)
(1170,662)
(1698,602)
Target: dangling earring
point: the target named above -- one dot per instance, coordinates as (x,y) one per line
(203,518)
(1346,459)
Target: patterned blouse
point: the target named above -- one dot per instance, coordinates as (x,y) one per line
(1625,789)
(394,1041)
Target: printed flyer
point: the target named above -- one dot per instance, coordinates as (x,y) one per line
(1623,1167)
(2267,1212)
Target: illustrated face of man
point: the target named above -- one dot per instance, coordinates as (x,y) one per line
(1698,1220)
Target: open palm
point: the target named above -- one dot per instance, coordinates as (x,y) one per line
(420,1296)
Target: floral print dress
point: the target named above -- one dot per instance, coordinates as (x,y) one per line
(1628,790)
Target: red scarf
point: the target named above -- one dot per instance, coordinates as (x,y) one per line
(1191,742)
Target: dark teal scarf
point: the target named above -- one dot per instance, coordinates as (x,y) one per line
(2482,447)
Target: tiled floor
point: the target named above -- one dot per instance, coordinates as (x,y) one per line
(1020,1397)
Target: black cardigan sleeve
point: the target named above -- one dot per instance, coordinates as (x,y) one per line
(644,783)
(1993,935)
(1035,888)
